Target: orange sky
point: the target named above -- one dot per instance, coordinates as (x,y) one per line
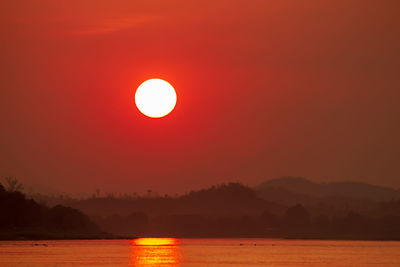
(265,88)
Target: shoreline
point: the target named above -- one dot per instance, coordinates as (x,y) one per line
(53,237)
(29,236)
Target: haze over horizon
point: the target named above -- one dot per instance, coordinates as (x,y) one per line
(269,89)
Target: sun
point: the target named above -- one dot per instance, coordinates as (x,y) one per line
(155,98)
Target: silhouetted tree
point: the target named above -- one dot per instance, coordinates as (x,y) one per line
(12,184)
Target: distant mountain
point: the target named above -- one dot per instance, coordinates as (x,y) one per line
(223,210)
(288,207)
(299,189)
(225,199)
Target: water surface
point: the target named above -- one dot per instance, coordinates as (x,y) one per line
(199,252)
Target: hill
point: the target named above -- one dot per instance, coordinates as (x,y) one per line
(225,199)
(23,218)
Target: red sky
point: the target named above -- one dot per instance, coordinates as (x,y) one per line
(265,88)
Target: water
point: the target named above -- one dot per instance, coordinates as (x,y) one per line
(199,252)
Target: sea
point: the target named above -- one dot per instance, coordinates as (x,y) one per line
(198,252)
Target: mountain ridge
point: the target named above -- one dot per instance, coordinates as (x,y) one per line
(302,187)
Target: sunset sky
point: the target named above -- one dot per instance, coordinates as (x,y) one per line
(265,89)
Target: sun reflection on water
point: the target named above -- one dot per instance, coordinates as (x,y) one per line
(154,252)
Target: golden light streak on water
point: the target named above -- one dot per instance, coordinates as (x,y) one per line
(154,252)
